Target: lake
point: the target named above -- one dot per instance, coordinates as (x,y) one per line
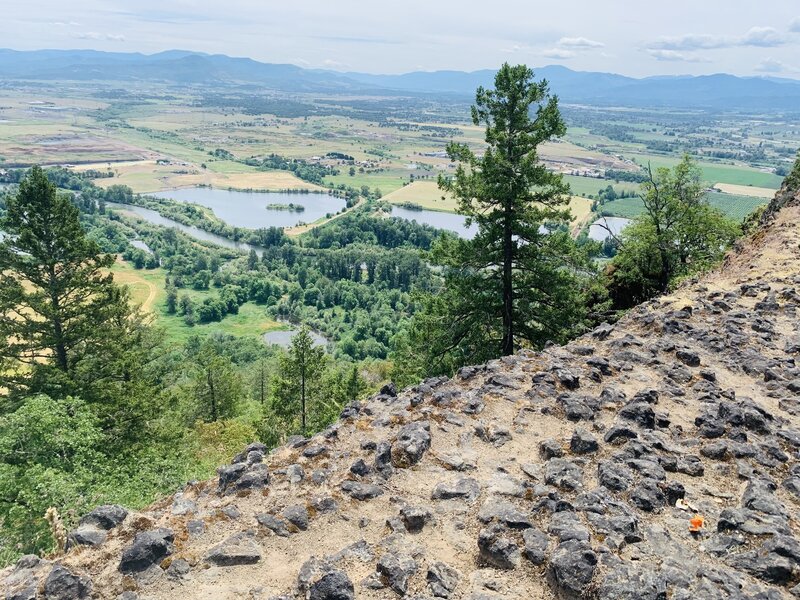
(598,231)
(284,337)
(249,209)
(441,220)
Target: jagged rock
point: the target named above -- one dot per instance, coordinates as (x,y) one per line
(360,468)
(573,565)
(240,476)
(619,432)
(297,515)
(688,357)
(442,579)
(178,568)
(583,442)
(497,549)
(647,496)
(536,543)
(295,474)
(629,581)
(236,550)
(639,412)
(396,570)
(105,517)
(148,548)
(86,535)
(413,440)
(466,489)
(333,585)
(566,525)
(563,474)
(361,491)
(550,449)
(415,518)
(63,584)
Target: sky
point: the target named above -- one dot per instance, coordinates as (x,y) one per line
(630,37)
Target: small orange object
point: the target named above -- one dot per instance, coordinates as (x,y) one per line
(696,524)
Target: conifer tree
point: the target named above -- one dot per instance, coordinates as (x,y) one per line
(515,282)
(65,327)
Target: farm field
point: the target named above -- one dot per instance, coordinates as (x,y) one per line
(734,206)
(746,190)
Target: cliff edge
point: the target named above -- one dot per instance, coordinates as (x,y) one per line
(656,458)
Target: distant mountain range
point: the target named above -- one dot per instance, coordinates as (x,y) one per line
(719,91)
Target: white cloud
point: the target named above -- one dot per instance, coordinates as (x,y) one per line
(762,37)
(579,42)
(674,56)
(794,26)
(93,35)
(770,65)
(558,53)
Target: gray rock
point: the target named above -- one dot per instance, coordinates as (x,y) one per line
(360,468)
(295,474)
(236,550)
(619,432)
(583,442)
(105,517)
(333,585)
(297,515)
(86,535)
(647,496)
(413,440)
(465,489)
(567,525)
(396,570)
(688,357)
(442,579)
(415,518)
(178,568)
(149,548)
(63,584)
(361,491)
(631,581)
(274,524)
(639,412)
(573,565)
(497,549)
(536,543)
(564,474)
(550,448)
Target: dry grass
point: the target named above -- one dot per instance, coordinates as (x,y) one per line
(745,190)
(147,176)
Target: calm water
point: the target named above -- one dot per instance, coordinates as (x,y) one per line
(284,337)
(442,220)
(248,209)
(598,231)
(153,217)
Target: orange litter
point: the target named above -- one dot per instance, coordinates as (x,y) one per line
(696,524)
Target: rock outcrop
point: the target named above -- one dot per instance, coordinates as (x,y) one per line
(655,458)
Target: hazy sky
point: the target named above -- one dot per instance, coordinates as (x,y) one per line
(632,37)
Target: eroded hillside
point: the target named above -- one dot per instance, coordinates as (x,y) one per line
(577,471)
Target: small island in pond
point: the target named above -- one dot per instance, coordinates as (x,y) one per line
(290,207)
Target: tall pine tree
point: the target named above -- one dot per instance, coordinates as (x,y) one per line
(65,327)
(515,282)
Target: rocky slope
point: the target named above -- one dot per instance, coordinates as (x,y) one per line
(575,472)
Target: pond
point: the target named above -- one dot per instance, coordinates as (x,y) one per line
(152,216)
(441,220)
(249,209)
(284,337)
(599,230)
